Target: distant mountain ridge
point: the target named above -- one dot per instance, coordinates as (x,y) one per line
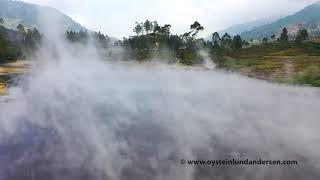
(308,18)
(19,12)
(247,26)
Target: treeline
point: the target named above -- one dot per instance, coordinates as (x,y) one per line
(84,36)
(224,47)
(17,44)
(151,40)
(301,36)
(7,51)
(31,39)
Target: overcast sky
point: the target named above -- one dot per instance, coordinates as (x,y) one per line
(117,17)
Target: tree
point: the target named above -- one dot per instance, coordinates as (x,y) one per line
(237,42)
(1,20)
(165,29)
(273,37)
(284,38)
(156,28)
(216,40)
(195,28)
(148,26)
(81,37)
(226,40)
(32,39)
(302,36)
(251,41)
(162,30)
(7,50)
(265,40)
(138,29)
(186,36)
(21,29)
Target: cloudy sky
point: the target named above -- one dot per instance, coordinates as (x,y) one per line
(117,17)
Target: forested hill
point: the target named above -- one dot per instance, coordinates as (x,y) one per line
(248,26)
(308,18)
(18,12)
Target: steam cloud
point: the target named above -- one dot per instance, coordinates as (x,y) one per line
(77,117)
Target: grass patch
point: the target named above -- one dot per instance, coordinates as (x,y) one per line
(310,76)
(290,63)
(230,64)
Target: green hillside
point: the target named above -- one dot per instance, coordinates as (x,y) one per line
(248,26)
(308,18)
(18,12)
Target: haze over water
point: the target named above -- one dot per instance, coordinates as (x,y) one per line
(86,119)
(76,117)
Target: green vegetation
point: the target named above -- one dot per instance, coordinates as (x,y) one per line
(19,12)
(277,58)
(284,38)
(302,36)
(309,76)
(291,63)
(7,51)
(31,39)
(153,40)
(17,44)
(309,17)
